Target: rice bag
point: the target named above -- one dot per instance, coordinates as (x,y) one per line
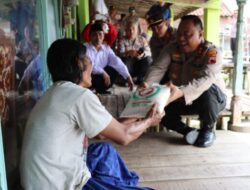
(141,101)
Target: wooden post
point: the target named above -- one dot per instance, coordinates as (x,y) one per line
(235,120)
(236,111)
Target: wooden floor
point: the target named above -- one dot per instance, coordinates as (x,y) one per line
(164,162)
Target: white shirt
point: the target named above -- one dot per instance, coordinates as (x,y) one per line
(105,57)
(52,153)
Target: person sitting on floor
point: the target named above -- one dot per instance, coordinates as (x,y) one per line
(194,66)
(54,151)
(134,51)
(110,32)
(106,65)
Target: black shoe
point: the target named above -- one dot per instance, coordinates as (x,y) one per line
(191,136)
(205,138)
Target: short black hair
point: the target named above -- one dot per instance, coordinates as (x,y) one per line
(195,19)
(111,7)
(97,26)
(62,60)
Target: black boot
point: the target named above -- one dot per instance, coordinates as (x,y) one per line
(206,136)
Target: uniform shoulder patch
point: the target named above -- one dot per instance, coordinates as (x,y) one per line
(176,56)
(211,54)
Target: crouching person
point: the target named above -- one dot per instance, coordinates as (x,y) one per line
(194,67)
(55,141)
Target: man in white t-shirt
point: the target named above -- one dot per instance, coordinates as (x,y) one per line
(54,148)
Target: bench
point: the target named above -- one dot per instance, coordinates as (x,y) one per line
(222,121)
(220,124)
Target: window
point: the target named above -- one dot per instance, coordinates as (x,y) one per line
(21,62)
(21,65)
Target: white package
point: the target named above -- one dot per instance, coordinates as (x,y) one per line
(142,100)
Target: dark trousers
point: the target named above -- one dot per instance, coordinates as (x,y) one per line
(207,106)
(138,68)
(98,81)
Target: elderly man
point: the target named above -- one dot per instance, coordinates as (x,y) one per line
(197,87)
(106,65)
(134,51)
(55,152)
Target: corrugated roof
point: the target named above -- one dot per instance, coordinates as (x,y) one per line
(180,7)
(225,11)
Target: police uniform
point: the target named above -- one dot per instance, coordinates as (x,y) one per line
(198,76)
(156,44)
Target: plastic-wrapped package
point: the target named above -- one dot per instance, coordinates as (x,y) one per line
(142,100)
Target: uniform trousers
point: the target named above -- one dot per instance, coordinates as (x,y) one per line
(207,106)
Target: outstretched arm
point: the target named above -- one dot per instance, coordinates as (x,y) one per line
(126,133)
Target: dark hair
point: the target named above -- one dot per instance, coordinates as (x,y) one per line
(111,8)
(97,26)
(131,9)
(123,15)
(62,60)
(195,19)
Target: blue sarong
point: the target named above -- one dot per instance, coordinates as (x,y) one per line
(108,170)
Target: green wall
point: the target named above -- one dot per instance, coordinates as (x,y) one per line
(212,22)
(83,13)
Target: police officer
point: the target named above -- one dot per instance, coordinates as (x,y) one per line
(197,87)
(158,18)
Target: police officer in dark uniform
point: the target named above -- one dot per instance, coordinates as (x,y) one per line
(197,87)
(158,18)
